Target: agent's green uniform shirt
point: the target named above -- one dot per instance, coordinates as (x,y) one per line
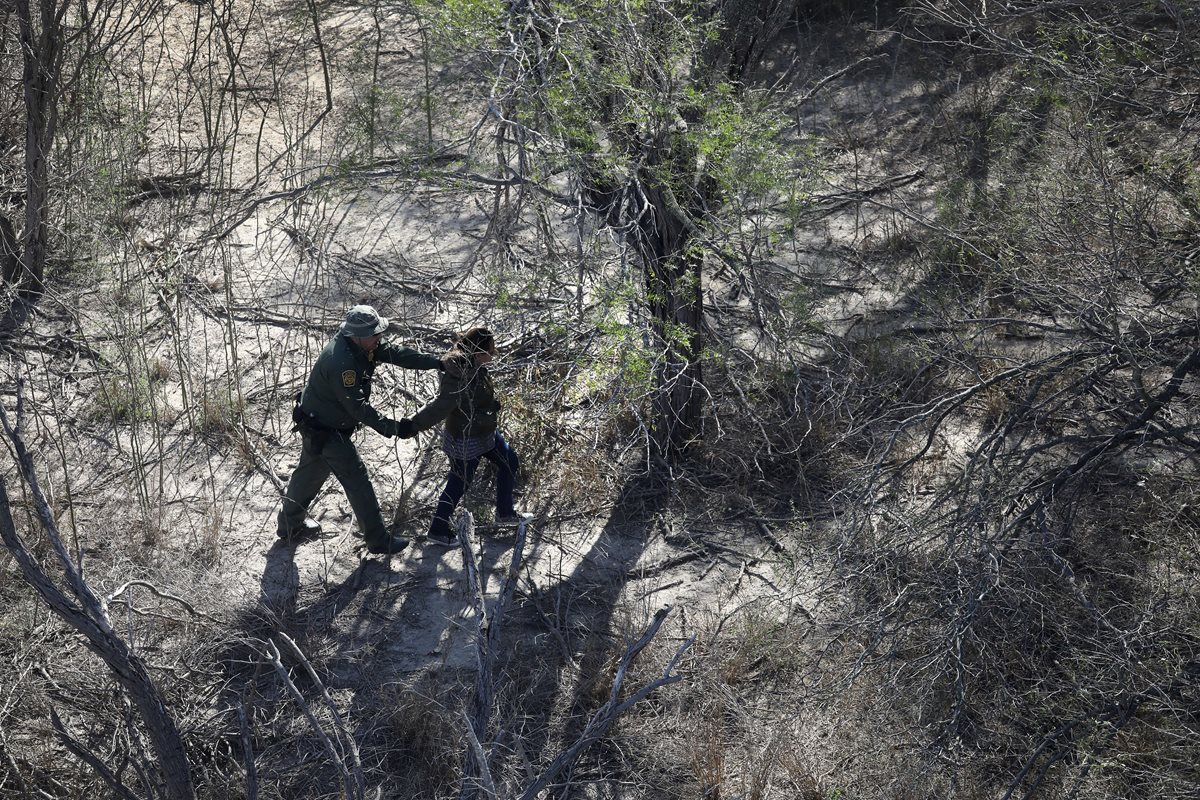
(338,392)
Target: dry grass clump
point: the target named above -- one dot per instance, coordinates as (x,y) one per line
(712,728)
(415,736)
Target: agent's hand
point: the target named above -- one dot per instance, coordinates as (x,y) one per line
(451,367)
(405,429)
(396,427)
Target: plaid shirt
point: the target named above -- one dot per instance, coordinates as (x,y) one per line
(466,448)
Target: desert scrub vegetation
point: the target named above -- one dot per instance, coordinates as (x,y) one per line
(862,334)
(999,598)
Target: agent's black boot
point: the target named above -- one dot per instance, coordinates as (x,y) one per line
(389,546)
(308,529)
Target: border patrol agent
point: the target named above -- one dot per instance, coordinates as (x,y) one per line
(335,403)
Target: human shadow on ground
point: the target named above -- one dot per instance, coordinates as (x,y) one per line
(342,627)
(413,646)
(279,587)
(553,683)
(414,666)
(395,638)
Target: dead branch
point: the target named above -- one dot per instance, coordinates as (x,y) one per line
(638,573)
(112,597)
(535,594)
(91,759)
(340,724)
(247,753)
(164,187)
(828,79)
(613,707)
(484,780)
(477,769)
(14,769)
(829,204)
(351,783)
(769,535)
(84,611)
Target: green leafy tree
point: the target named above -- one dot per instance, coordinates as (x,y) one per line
(644,111)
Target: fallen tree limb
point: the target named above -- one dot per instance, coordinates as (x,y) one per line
(638,573)
(163,187)
(351,783)
(477,767)
(613,707)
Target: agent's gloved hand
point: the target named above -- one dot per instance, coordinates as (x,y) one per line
(405,429)
(451,367)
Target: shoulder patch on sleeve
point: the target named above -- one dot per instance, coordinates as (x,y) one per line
(349,377)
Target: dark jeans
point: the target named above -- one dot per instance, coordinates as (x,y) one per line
(462,472)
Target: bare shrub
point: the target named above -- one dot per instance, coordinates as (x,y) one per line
(419,738)
(998,571)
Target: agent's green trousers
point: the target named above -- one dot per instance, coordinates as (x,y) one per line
(337,455)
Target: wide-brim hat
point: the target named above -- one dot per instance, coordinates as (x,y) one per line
(363,321)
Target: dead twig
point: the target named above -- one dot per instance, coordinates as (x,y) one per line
(91,759)
(351,783)
(613,707)
(112,597)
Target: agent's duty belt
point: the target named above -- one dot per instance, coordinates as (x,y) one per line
(305,421)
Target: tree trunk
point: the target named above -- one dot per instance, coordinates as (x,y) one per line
(80,608)
(10,260)
(749,27)
(41,50)
(87,618)
(673,292)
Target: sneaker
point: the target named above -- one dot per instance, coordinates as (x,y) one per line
(513,518)
(442,539)
(294,533)
(389,546)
